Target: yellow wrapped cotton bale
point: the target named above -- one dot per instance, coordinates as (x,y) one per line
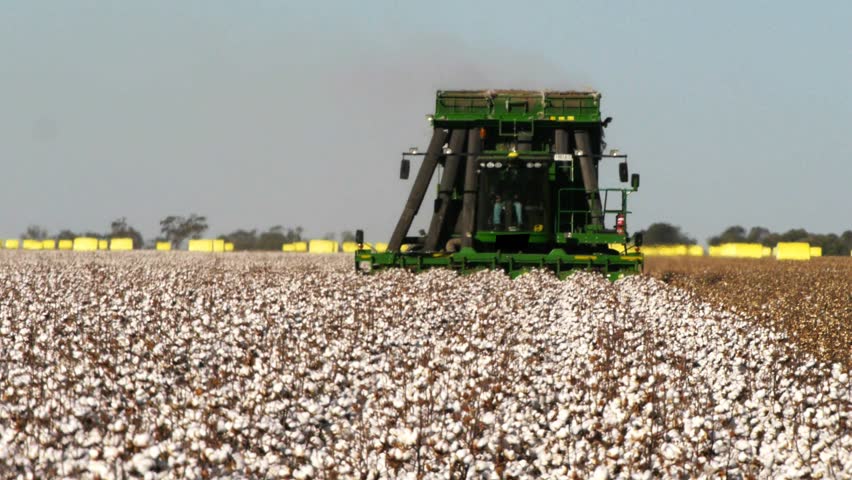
(163,246)
(714,251)
(103,244)
(767,252)
(322,246)
(793,251)
(12,244)
(300,247)
(742,250)
(200,245)
(729,250)
(695,251)
(48,244)
(350,247)
(816,252)
(288,247)
(121,244)
(85,244)
(749,250)
(66,244)
(229,247)
(665,250)
(218,245)
(31,244)
(675,250)
(381,247)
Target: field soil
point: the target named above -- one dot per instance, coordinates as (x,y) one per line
(810,301)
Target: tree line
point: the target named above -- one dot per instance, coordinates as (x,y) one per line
(173,228)
(176,229)
(662,233)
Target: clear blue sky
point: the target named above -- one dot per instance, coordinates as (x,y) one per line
(294,113)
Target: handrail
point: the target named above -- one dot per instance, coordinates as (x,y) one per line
(559,211)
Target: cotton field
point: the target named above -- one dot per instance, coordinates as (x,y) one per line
(284,366)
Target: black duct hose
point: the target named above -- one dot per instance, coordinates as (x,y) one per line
(418,190)
(445,190)
(561,144)
(590,175)
(471,185)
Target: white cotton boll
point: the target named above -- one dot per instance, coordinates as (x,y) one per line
(461,454)
(142,463)
(141,440)
(70,425)
(93,438)
(407,437)
(99,469)
(671,451)
(600,473)
(110,453)
(400,455)
(118,426)
(488,418)
(743,445)
(305,471)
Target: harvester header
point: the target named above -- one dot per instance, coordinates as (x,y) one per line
(518,188)
(452,106)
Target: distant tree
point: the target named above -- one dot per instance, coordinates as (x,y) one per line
(35,232)
(293,235)
(120,229)
(846,238)
(758,235)
(66,235)
(242,239)
(795,235)
(177,229)
(734,234)
(272,239)
(329,236)
(831,244)
(665,234)
(347,236)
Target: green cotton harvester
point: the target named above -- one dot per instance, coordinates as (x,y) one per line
(518,189)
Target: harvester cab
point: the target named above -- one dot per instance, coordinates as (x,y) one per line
(518,189)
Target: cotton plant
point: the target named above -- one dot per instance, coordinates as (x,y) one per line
(274,366)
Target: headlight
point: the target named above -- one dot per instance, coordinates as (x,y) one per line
(365,266)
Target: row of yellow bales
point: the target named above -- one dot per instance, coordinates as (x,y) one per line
(80,244)
(203,245)
(91,244)
(330,246)
(782,251)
